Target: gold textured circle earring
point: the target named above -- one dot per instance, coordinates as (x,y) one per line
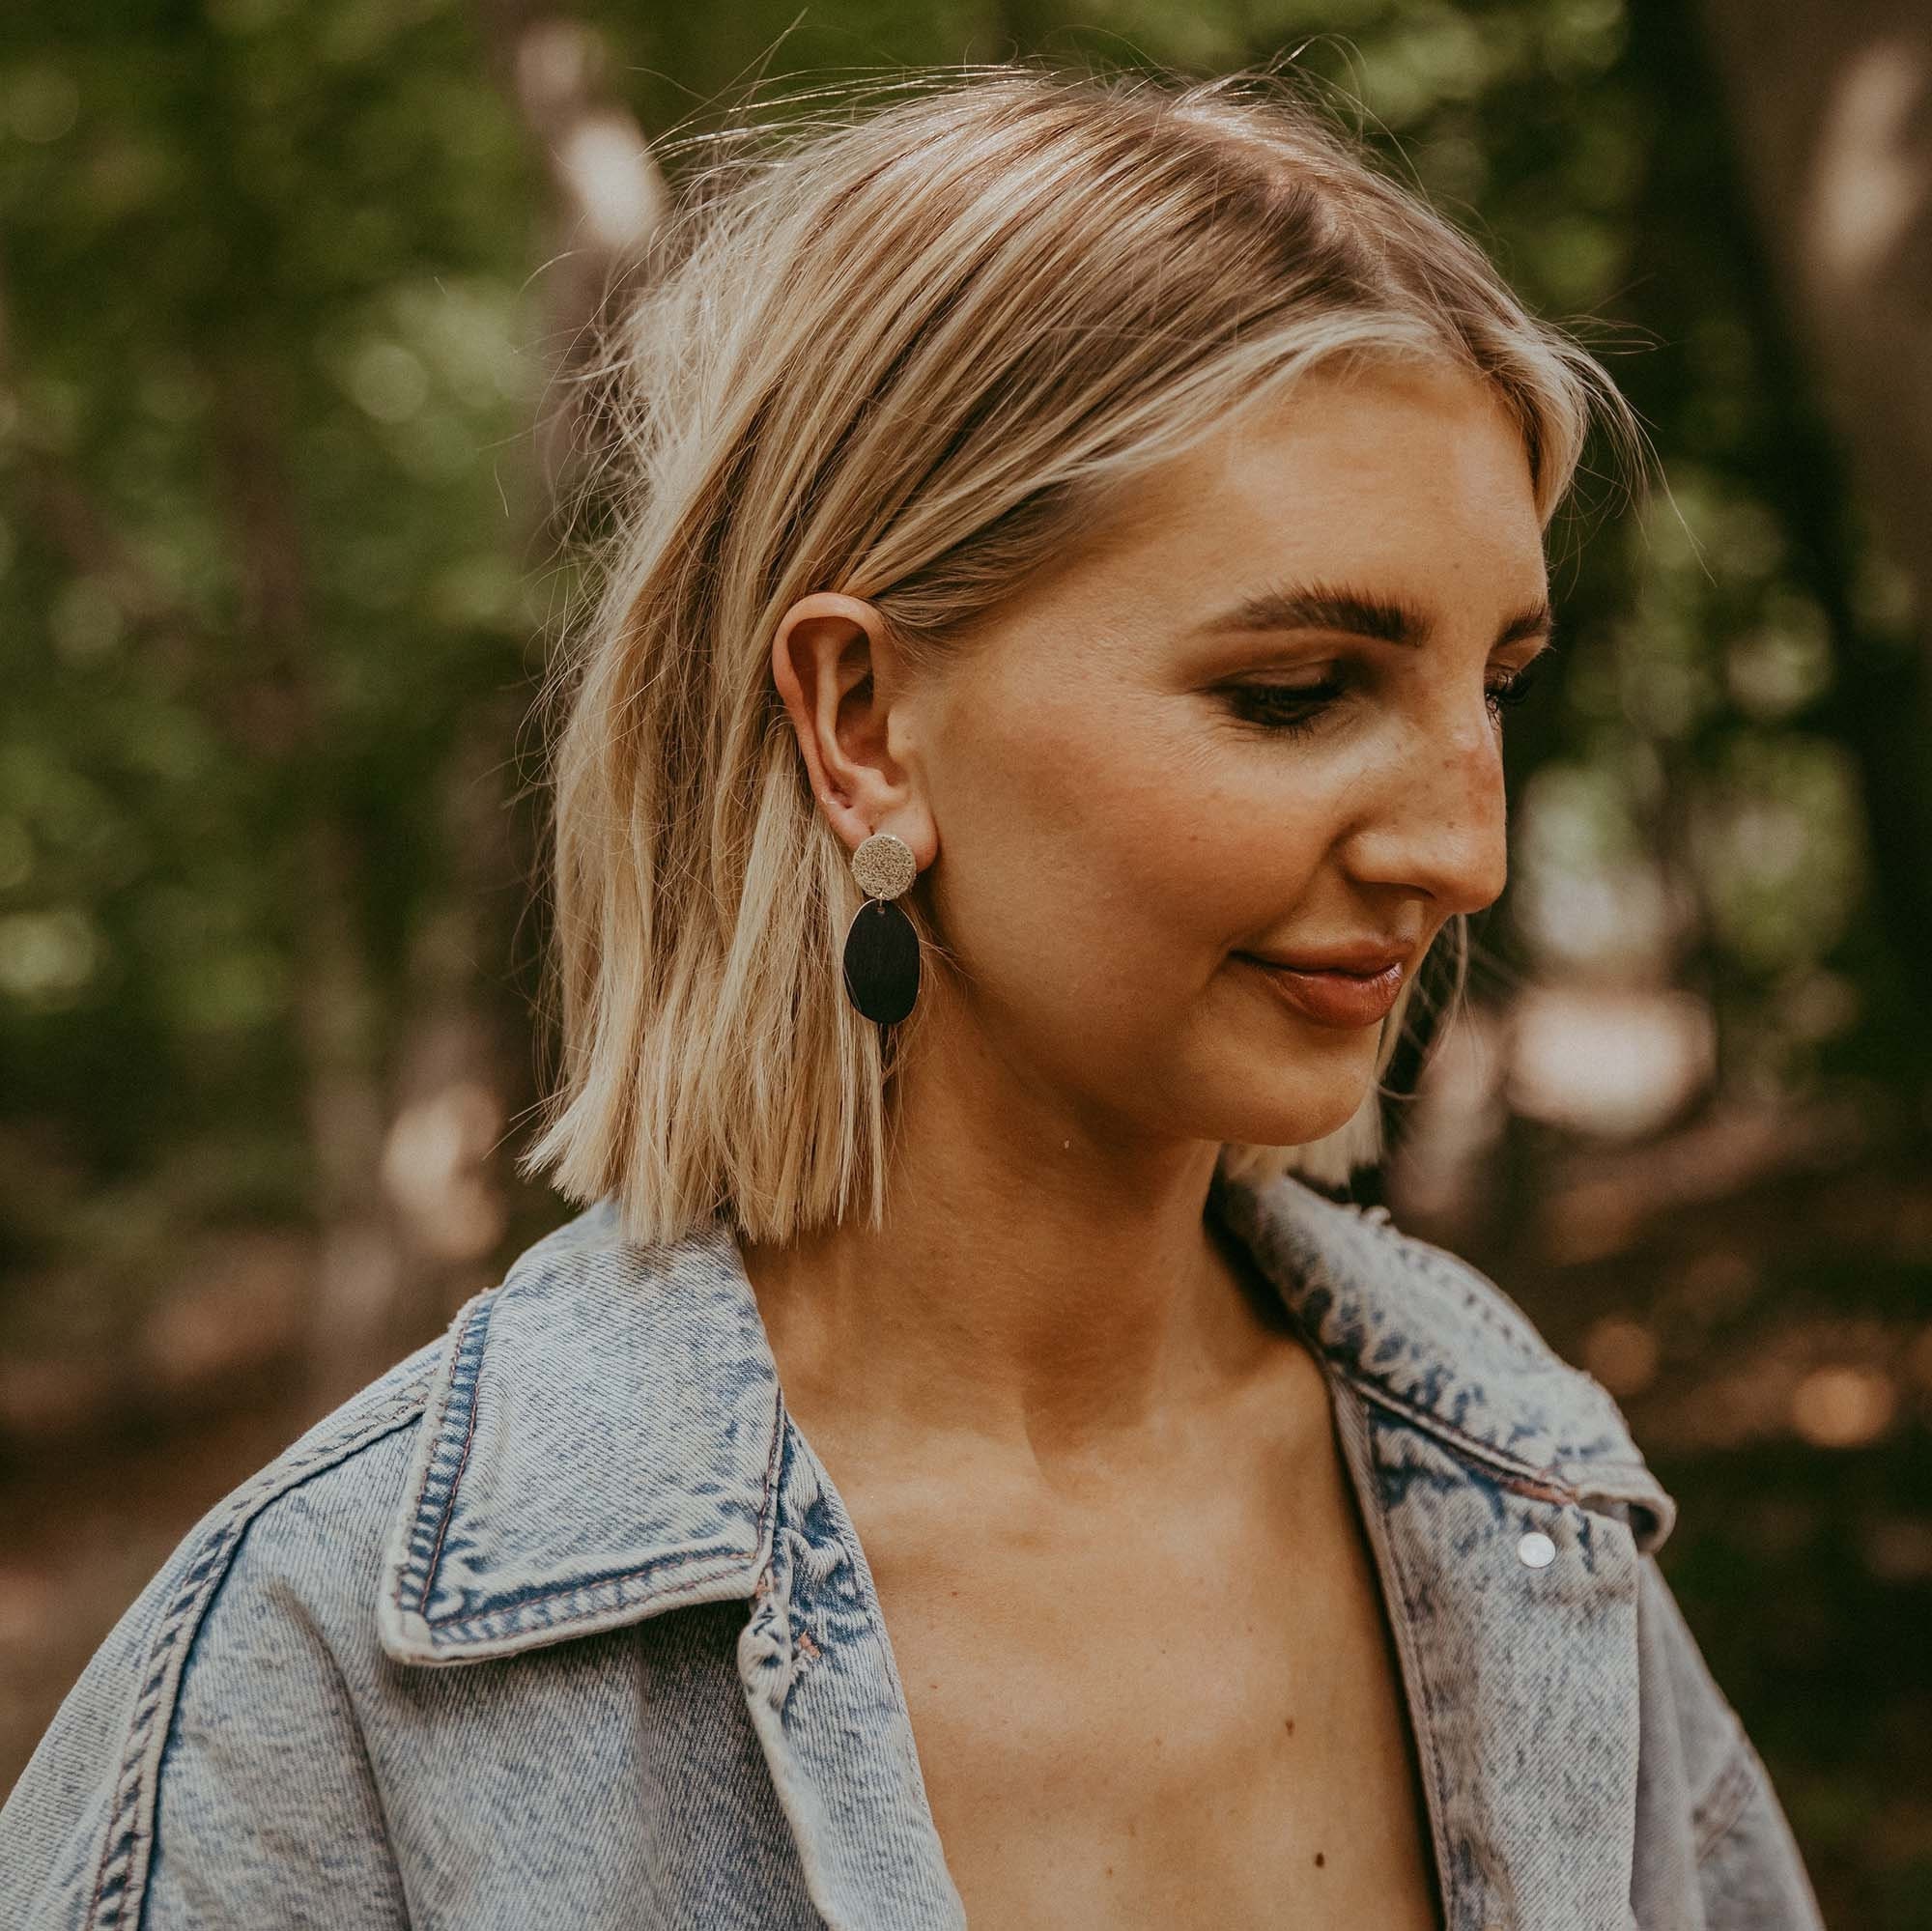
(881,942)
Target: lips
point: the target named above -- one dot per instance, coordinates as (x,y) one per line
(1358,957)
(1329,996)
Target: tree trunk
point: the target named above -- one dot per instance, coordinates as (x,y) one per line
(1833,111)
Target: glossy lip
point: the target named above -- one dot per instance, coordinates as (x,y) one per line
(1331,997)
(1360,956)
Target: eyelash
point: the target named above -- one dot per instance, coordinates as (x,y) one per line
(1309,703)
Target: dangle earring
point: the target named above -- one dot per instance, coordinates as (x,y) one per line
(882,944)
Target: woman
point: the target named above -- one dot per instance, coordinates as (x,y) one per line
(1042,707)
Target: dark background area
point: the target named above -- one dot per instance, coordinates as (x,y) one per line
(291,299)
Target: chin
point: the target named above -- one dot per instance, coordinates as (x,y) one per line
(1318,1110)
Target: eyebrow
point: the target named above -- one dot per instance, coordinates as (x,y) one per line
(1390,619)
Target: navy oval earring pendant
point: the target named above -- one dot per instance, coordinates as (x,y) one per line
(882,944)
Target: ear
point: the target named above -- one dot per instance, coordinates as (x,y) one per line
(835,666)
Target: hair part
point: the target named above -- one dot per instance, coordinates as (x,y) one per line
(913,356)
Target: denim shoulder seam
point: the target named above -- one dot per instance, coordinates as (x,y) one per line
(121,1874)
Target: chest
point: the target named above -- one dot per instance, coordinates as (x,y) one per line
(1186,1712)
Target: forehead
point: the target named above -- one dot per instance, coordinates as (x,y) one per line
(1408,488)
(1417,479)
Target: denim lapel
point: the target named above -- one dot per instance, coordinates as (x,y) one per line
(1465,1439)
(601,1442)
(605,1440)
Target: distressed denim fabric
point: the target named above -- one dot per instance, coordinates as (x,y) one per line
(561,1623)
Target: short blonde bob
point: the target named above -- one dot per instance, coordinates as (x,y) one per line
(910,353)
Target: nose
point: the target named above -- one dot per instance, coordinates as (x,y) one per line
(1438,821)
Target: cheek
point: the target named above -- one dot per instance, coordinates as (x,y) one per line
(1103,860)
(1258,821)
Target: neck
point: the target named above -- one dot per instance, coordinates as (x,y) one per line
(1040,1284)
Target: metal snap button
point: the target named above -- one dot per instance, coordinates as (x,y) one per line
(1536,1550)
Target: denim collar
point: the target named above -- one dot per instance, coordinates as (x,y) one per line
(603,1432)
(1419,1331)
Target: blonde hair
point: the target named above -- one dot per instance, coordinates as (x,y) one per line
(911,354)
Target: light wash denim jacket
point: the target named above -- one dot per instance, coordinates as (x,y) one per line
(561,1623)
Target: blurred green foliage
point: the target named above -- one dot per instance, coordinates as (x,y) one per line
(275,565)
(271,369)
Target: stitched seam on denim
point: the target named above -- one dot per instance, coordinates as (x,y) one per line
(1499,1459)
(774,1462)
(606,1587)
(1376,1385)
(613,1585)
(448,1506)
(1452,1436)
(1377,1389)
(1717,1813)
(466,1371)
(123,1837)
